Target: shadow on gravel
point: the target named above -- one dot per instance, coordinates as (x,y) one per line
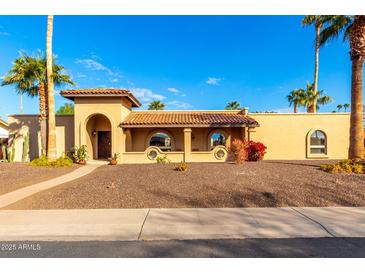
(247,248)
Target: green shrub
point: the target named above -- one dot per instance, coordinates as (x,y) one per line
(181,166)
(4,152)
(25,147)
(163,160)
(63,161)
(345,166)
(80,154)
(42,161)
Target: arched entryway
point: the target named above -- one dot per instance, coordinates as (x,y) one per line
(99,137)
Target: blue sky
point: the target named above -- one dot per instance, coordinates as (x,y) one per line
(188,62)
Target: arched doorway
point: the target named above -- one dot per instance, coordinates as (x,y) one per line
(99,137)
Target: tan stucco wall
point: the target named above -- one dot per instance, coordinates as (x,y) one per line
(19,125)
(113,108)
(285,135)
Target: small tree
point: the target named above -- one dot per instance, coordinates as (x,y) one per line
(346,106)
(156,105)
(339,107)
(233,105)
(66,109)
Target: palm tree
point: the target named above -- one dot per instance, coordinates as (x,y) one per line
(66,109)
(353,28)
(233,105)
(339,107)
(296,98)
(28,74)
(346,106)
(52,148)
(317,21)
(156,105)
(311,96)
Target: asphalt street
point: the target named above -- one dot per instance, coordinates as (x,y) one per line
(242,248)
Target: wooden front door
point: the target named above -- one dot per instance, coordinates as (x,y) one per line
(104,144)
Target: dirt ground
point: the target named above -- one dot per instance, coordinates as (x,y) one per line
(17,175)
(254,184)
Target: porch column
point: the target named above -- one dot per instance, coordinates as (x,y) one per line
(187,144)
(243,134)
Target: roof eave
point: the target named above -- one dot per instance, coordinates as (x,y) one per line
(121,125)
(133,100)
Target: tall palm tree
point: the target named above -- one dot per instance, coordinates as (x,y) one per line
(233,105)
(52,148)
(346,106)
(339,107)
(156,105)
(296,98)
(28,74)
(353,28)
(311,96)
(317,21)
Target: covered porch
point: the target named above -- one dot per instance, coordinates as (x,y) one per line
(183,136)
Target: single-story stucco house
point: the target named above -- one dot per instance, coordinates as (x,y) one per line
(104,121)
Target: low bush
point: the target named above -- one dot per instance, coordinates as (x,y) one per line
(181,166)
(80,154)
(163,160)
(255,151)
(345,166)
(247,151)
(42,161)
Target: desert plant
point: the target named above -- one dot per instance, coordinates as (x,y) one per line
(42,161)
(11,153)
(5,152)
(114,159)
(163,160)
(345,166)
(80,154)
(238,148)
(255,151)
(181,166)
(25,147)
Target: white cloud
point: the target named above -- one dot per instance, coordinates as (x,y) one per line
(178,105)
(213,81)
(4,33)
(183,95)
(146,95)
(173,90)
(91,64)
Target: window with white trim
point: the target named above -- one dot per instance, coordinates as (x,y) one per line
(318,142)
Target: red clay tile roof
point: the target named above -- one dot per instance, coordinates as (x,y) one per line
(71,93)
(188,119)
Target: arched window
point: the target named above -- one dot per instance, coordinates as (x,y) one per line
(217,139)
(318,142)
(161,140)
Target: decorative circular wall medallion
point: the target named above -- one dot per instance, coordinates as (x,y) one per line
(152,154)
(220,154)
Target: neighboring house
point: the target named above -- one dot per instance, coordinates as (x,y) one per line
(4,135)
(105,122)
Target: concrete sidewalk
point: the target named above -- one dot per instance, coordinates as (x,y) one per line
(194,223)
(19,194)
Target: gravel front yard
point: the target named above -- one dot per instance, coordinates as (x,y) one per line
(255,184)
(18,175)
